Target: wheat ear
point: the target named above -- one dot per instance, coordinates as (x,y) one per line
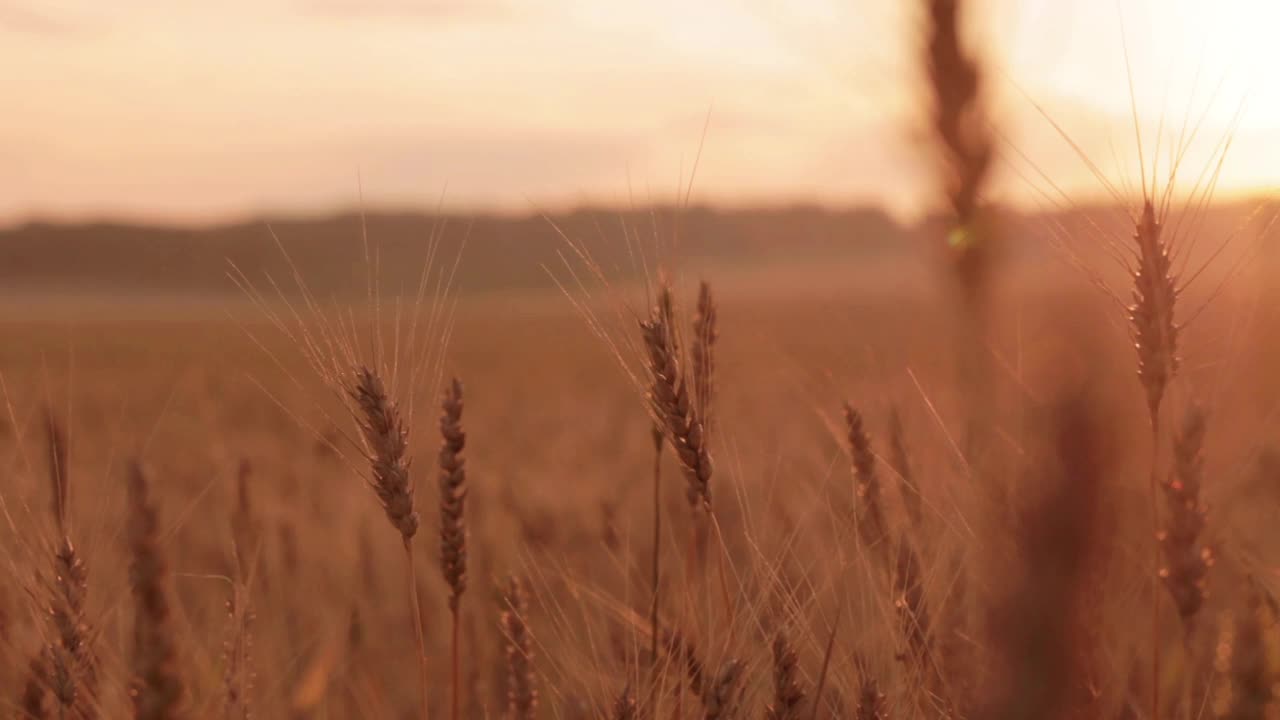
(669,396)
(624,708)
(35,690)
(157,689)
(871,702)
(1243,659)
(870,519)
(1151,315)
(723,696)
(787,694)
(522,697)
(453,529)
(72,659)
(386,441)
(1187,561)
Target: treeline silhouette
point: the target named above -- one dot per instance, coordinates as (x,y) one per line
(508,252)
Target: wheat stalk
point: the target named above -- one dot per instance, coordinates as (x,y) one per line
(826,666)
(1155,338)
(386,446)
(1036,628)
(909,601)
(238,674)
(246,529)
(655,434)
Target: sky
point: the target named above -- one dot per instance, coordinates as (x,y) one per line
(203,112)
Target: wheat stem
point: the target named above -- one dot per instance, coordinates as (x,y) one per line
(657,556)
(455,662)
(1156,639)
(415,609)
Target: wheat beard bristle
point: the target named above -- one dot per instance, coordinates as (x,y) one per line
(669,396)
(387,444)
(57,447)
(245,526)
(900,459)
(909,600)
(705,335)
(687,655)
(1151,316)
(453,495)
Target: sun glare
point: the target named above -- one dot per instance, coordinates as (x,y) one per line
(1194,72)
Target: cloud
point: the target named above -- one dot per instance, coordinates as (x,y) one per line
(408,9)
(23,20)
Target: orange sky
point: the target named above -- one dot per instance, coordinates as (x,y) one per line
(200,111)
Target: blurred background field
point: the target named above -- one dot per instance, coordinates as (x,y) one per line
(169,366)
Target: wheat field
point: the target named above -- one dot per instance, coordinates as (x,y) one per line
(972,480)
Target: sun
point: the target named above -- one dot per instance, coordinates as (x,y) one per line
(1179,64)
(1175,50)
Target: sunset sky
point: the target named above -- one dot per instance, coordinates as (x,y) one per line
(192,112)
